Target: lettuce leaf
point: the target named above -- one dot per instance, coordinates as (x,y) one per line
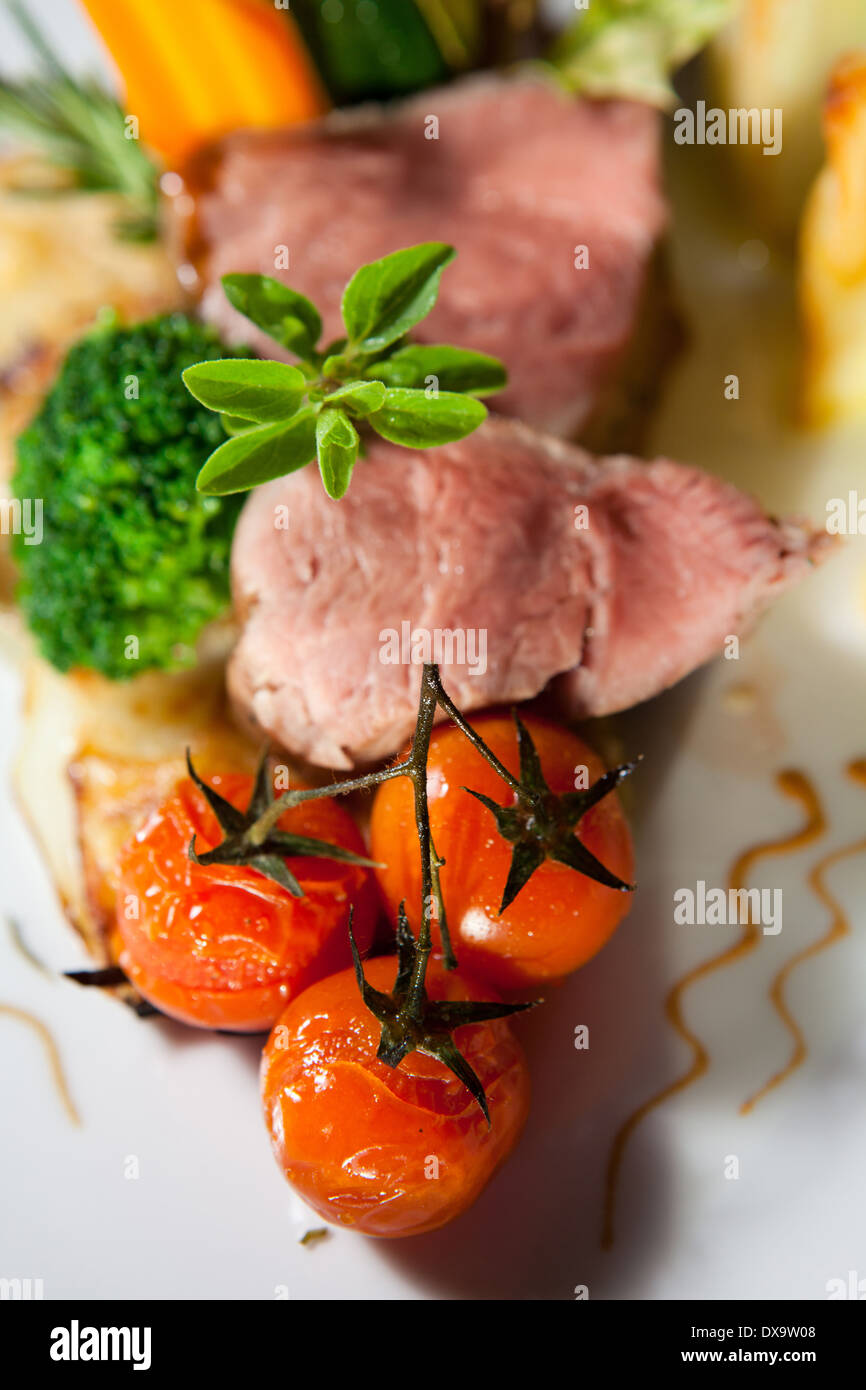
(630,48)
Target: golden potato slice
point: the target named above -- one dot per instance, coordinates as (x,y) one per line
(778,54)
(832,268)
(60,264)
(96,758)
(61,261)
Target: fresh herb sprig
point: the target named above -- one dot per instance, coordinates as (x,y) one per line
(280,417)
(540,825)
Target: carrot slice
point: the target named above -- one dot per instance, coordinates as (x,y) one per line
(194,70)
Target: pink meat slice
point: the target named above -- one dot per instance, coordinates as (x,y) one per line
(521,175)
(614,576)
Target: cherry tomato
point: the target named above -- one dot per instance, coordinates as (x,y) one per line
(561,917)
(387,1151)
(222,946)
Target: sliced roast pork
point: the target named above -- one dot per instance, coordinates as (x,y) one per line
(511,558)
(519,177)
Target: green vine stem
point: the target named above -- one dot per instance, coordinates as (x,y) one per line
(430,692)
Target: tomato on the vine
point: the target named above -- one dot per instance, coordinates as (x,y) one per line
(221,946)
(388,1151)
(560,918)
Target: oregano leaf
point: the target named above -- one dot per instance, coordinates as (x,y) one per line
(360,398)
(337,448)
(260,454)
(384,299)
(451,368)
(247,388)
(285,315)
(419,421)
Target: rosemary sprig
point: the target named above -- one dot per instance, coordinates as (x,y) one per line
(541,826)
(80,128)
(280,417)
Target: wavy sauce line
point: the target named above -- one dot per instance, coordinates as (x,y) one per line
(796,786)
(53,1054)
(839,927)
(44,1034)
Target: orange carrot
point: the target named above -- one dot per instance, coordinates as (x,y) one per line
(194,69)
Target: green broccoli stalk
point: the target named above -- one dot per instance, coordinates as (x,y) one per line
(132,561)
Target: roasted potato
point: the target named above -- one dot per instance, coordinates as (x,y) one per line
(778,54)
(832,267)
(94,760)
(61,262)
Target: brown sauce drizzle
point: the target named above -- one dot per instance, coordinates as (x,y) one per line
(23,949)
(57,1074)
(838,928)
(792,784)
(12,1011)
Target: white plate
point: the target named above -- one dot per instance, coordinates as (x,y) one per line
(209,1215)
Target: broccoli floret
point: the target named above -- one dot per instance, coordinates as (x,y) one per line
(132,561)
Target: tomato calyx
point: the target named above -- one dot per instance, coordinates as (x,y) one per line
(251,836)
(412,1022)
(541,823)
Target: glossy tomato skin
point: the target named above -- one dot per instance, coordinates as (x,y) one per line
(387,1151)
(222,946)
(560,919)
